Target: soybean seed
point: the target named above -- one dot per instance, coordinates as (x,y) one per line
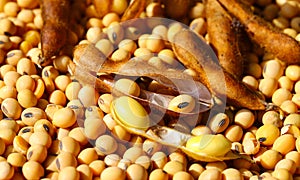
(40,137)
(234,133)
(45,126)
(106,144)
(87,156)
(281,95)
(245,118)
(97,167)
(128,45)
(272,117)
(267,134)
(288,164)
(69,172)
(231,173)
(31,115)
(11,108)
(25,82)
(210,174)
(282,174)
(37,153)
(173,167)
(84,171)
(284,143)
(158,174)
(218,123)
(112,159)
(26,66)
(26,98)
(65,159)
(127,86)
(94,127)
(68,144)
(270,158)
(32,170)
(8,92)
(115,32)
(77,133)
(105,46)
(272,69)
(159,159)
(136,171)
(6,170)
(88,96)
(182,103)
(293,72)
(133,153)
(64,118)
(113,173)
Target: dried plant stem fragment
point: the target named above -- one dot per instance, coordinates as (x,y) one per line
(187,47)
(55,15)
(263,33)
(224,38)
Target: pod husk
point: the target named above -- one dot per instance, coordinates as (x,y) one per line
(173,138)
(282,46)
(209,72)
(224,38)
(55,14)
(88,60)
(134,10)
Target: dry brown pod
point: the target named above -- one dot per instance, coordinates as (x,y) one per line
(186,47)
(263,33)
(223,37)
(55,15)
(176,9)
(134,10)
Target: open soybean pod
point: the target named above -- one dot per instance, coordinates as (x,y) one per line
(89,61)
(131,115)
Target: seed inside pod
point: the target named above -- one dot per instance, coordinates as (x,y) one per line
(130,112)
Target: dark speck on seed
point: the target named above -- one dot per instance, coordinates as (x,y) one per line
(114,36)
(46,73)
(29,154)
(149,151)
(102,149)
(101,101)
(26,130)
(182,105)
(28,115)
(90,109)
(46,127)
(73,107)
(10,55)
(221,123)
(236,149)
(57,164)
(60,145)
(262,139)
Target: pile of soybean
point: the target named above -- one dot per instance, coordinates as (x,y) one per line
(53,127)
